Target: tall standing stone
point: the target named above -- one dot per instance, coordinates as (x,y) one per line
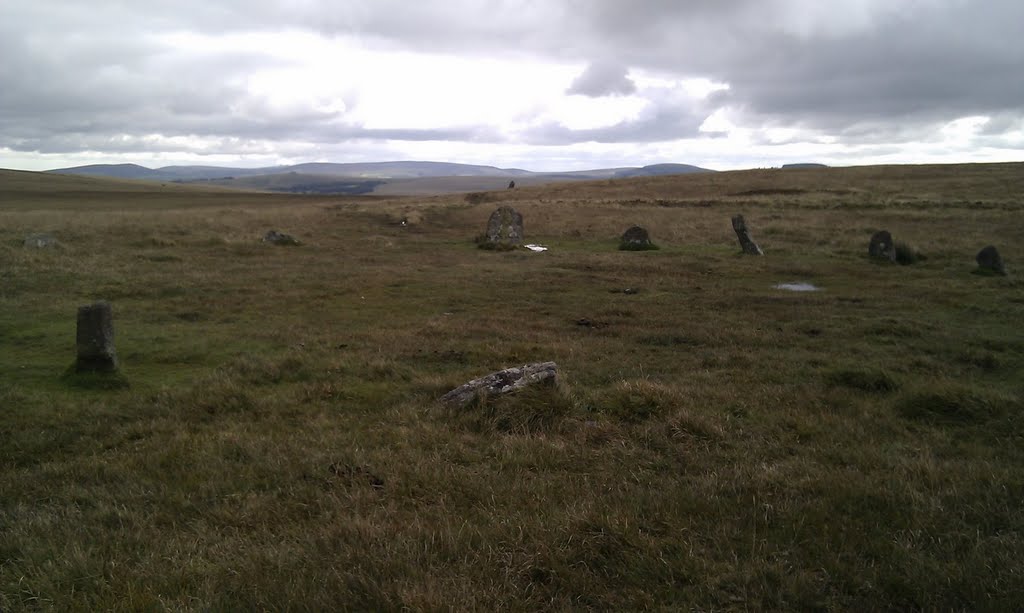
(989,261)
(882,246)
(505,227)
(747,243)
(95,339)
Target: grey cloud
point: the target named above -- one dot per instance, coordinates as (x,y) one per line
(669,116)
(603,79)
(76,72)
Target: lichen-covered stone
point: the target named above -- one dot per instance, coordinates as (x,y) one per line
(502,382)
(505,227)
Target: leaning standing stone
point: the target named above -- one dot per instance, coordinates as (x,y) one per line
(505,227)
(989,261)
(747,243)
(95,339)
(882,246)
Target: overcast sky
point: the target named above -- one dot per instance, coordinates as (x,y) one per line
(534,84)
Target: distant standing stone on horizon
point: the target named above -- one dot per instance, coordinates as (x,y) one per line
(511,184)
(990,261)
(882,246)
(95,338)
(505,226)
(742,233)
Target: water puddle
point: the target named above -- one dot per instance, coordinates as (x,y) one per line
(798,286)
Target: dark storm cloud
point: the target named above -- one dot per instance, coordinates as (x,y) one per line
(84,74)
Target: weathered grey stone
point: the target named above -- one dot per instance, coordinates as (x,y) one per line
(95,339)
(41,241)
(511,184)
(635,238)
(505,226)
(989,261)
(882,246)
(502,382)
(279,238)
(747,243)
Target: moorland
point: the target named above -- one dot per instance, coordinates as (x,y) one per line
(274,439)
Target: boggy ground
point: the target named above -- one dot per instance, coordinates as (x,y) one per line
(715,443)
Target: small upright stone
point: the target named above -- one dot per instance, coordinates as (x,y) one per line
(95,339)
(882,246)
(511,184)
(505,227)
(40,241)
(636,238)
(990,262)
(747,243)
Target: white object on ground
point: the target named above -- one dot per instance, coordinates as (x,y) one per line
(533,247)
(798,286)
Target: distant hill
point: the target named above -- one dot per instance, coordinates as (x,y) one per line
(804,165)
(117,171)
(655,170)
(369,170)
(361,178)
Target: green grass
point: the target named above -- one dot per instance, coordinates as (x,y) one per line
(713,443)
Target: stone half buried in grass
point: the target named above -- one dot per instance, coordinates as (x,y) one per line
(41,241)
(502,382)
(279,238)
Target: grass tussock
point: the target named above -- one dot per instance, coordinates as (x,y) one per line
(956,405)
(530,411)
(907,254)
(863,379)
(635,246)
